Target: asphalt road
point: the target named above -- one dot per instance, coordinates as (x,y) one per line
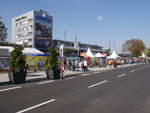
(124,90)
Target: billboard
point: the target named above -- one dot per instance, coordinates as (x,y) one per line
(43,32)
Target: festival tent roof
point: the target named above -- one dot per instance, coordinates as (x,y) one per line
(143,55)
(7,47)
(26,51)
(83,55)
(89,53)
(100,55)
(114,55)
(30,51)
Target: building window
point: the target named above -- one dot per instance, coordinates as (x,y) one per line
(30,20)
(30,40)
(30,33)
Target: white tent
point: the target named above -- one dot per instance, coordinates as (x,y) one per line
(89,53)
(30,51)
(114,55)
(143,55)
(10,49)
(100,55)
(26,51)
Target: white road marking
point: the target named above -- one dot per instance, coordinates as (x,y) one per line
(46,82)
(85,74)
(119,76)
(33,107)
(98,84)
(69,78)
(10,88)
(96,72)
(132,71)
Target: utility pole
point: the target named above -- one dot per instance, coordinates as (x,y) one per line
(76,45)
(65,35)
(115,46)
(109,46)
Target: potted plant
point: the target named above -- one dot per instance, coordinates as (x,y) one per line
(52,71)
(17,73)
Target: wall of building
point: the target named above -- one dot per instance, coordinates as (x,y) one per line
(33,29)
(82,46)
(23,29)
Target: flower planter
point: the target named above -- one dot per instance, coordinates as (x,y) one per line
(57,74)
(50,74)
(17,77)
(53,74)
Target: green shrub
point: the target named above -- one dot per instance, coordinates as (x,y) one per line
(17,60)
(51,62)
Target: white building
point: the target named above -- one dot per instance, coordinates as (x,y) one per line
(33,29)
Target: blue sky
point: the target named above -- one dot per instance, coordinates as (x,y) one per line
(93,21)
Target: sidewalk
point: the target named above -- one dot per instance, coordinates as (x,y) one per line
(42,75)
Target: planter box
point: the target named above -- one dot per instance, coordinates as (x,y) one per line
(50,74)
(53,74)
(17,77)
(57,74)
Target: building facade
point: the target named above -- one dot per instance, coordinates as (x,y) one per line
(75,49)
(33,29)
(3,32)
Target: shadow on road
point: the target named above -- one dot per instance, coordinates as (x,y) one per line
(4,83)
(68,76)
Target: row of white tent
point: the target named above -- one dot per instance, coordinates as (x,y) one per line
(114,55)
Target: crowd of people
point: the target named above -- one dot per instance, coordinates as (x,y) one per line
(123,61)
(75,65)
(82,65)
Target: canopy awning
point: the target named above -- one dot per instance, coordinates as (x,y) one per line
(89,53)
(31,51)
(26,51)
(100,55)
(83,55)
(114,55)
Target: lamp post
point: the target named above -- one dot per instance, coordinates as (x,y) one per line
(65,36)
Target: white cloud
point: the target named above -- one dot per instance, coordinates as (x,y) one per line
(100,18)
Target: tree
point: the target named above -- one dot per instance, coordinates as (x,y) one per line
(147,52)
(51,61)
(53,71)
(17,72)
(17,60)
(134,46)
(3,31)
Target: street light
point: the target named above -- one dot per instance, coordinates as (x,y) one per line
(65,35)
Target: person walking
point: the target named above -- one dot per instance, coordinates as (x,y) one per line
(81,65)
(39,64)
(85,65)
(70,65)
(26,68)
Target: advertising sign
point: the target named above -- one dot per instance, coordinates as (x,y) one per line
(43,36)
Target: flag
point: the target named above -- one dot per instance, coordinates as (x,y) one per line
(61,50)
(76,45)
